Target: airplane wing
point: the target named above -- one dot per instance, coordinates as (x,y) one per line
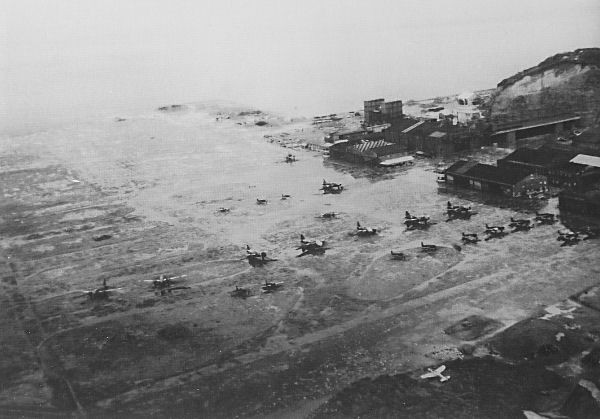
(440,369)
(429,375)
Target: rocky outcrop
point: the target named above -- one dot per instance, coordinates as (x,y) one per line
(564,84)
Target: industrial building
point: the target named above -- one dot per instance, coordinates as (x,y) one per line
(378,111)
(370,152)
(492,179)
(584,197)
(547,161)
(511,131)
(441,138)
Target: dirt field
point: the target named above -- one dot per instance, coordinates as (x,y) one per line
(127,201)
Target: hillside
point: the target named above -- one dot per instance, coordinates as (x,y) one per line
(565,83)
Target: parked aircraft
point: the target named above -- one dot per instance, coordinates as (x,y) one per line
(331,188)
(311,247)
(398,255)
(365,231)
(469,238)
(428,247)
(413,222)
(271,286)
(164,281)
(240,292)
(545,218)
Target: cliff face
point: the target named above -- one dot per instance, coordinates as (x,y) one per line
(567,83)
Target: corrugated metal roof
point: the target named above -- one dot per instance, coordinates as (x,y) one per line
(370,144)
(586,160)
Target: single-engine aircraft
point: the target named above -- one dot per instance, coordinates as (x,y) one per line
(589,233)
(328,215)
(285,196)
(271,286)
(569,238)
(458,211)
(101,293)
(364,231)
(490,229)
(164,281)
(413,222)
(428,247)
(257,259)
(494,232)
(311,247)
(261,201)
(520,225)
(398,255)
(240,292)
(545,218)
(223,210)
(469,238)
(518,222)
(330,187)
(436,373)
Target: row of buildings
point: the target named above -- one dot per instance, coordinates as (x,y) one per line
(526,172)
(387,134)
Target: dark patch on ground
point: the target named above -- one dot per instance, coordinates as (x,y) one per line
(473,327)
(549,341)
(477,389)
(589,297)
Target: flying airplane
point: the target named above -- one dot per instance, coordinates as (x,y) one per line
(285,196)
(436,373)
(271,286)
(223,210)
(365,231)
(260,201)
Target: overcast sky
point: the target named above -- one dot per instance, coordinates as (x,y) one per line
(67,59)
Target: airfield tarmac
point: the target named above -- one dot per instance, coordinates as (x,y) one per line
(152,184)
